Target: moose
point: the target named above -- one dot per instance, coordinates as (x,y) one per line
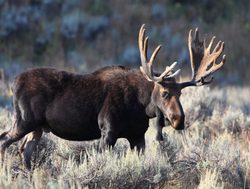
(110,103)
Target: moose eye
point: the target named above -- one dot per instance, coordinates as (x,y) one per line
(165,94)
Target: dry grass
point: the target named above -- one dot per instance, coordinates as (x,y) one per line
(213,152)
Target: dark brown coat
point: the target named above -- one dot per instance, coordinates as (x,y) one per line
(110,103)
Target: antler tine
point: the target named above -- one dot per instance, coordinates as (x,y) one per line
(213,56)
(196,35)
(210,44)
(140,42)
(218,49)
(167,70)
(190,39)
(146,47)
(216,67)
(153,56)
(146,67)
(175,73)
(143,50)
(202,60)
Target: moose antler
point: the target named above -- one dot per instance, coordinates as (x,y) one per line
(146,67)
(203,61)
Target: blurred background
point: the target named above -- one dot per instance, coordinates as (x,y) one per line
(85,35)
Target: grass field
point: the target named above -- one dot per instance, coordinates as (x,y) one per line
(213,152)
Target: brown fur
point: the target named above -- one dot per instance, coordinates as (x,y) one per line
(111,103)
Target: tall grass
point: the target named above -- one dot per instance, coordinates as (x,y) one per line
(213,152)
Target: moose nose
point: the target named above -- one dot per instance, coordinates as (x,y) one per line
(178,122)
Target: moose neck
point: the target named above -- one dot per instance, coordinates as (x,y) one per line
(150,107)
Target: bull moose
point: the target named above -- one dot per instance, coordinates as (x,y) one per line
(110,103)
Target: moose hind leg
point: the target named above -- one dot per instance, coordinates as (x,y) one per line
(107,124)
(30,142)
(18,131)
(107,140)
(3,138)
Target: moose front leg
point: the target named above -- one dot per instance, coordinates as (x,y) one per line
(137,143)
(159,125)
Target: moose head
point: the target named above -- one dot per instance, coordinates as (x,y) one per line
(166,92)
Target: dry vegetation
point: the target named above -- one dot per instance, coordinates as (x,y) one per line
(213,152)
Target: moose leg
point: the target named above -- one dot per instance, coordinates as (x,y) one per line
(3,137)
(30,142)
(18,131)
(137,143)
(159,125)
(108,139)
(107,123)
(108,133)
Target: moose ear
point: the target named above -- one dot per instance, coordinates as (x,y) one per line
(167,82)
(157,74)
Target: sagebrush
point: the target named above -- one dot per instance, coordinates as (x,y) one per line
(213,152)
